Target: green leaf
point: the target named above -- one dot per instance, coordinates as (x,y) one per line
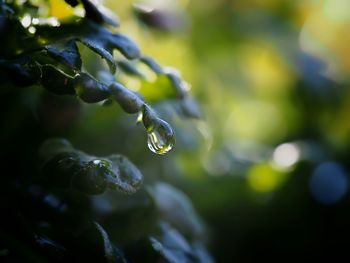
(180,86)
(98,246)
(50,246)
(56,81)
(22,72)
(172,246)
(65,167)
(159,18)
(102,50)
(128,179)
(127,99)
(98,13)
(130,69)
(152,64)
(52,147)
(110,253)
(188,107)
(125,45)
(66,53)
(125,214)
(95,36)
(103,42)
(89,89)
(175,207)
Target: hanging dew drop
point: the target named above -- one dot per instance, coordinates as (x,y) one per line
(161,138)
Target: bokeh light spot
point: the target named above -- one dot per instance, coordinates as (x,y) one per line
(286,155)
(263,178)
(255,120)
(328,184)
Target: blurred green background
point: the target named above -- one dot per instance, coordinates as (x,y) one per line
(267,166)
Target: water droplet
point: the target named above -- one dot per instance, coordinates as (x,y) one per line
(101,163)
(161,138)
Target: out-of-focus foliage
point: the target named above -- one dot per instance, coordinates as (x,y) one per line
(266,167)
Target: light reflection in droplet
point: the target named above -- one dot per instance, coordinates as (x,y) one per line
(328,183)
(160,141)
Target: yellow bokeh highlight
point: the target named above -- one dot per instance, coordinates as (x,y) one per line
(263,178)
(60,9)
(255,120)
(267,74)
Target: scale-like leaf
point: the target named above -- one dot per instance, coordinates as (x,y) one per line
(22,72)
(188,107)
(56,81)
(111,254)
(128,100)
(89,89)
(127,177)
(101,49)
(98,13)
(66,53)
(152,64)
(94,36)
(130,69)
(176,208)
(103,42)
(172,247)
(66,167)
